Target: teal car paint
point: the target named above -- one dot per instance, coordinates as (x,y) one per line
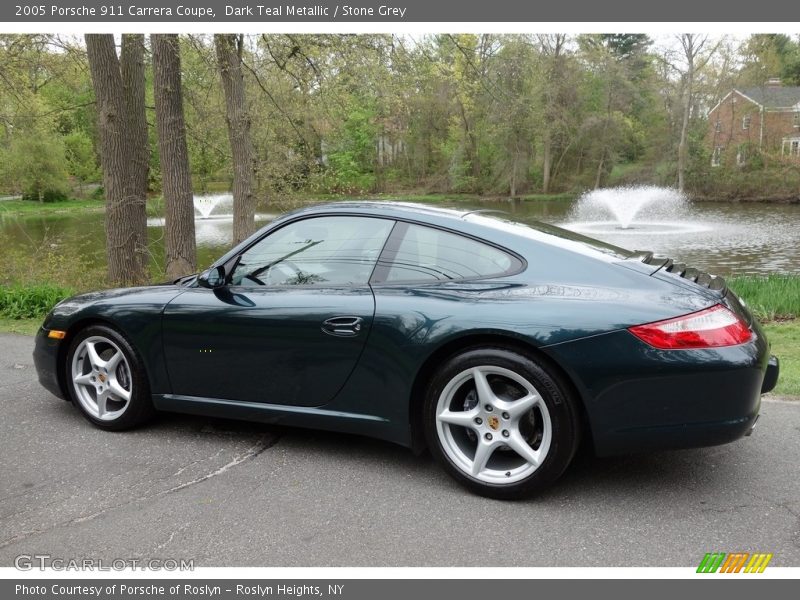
(358,357)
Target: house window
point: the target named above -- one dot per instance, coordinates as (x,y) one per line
(746,122)
(790,145)
(741,156)
(797,120)
(716,157)
(718,126)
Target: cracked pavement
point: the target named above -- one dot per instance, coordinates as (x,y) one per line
(228,493)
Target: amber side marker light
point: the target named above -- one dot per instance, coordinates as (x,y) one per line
(56,334)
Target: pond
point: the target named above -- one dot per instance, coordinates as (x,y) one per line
(723,238)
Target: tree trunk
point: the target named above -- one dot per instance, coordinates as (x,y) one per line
(176,183)
(687,108)
(229,61)
(119,93)
(132,69)
(547,163)
(604,150)
(550,48)
(693,46)
(513,182)
(557,169)
(472,145)
(599,176)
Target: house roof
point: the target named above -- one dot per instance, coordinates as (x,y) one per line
(773,97)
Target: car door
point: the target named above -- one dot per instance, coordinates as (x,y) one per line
(289,326)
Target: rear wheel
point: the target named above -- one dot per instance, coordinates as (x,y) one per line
(502,423)
(107,381)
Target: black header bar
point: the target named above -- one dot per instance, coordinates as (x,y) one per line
(410,11)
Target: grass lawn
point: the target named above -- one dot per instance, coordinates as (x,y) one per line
(770,298)
(21,326)
(155,207)
(155,204)
(785,340)
(27,207)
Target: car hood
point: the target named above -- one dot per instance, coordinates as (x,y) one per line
(113,304)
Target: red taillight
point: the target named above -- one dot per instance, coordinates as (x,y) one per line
(710,328)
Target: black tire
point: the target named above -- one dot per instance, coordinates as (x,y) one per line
(139,408)
(560,403)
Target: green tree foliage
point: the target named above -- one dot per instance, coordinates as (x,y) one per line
(45,111)
(36,166)
(769,55)
(80,157)
(360,114)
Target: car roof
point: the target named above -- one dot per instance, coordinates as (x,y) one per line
(392,208)
(492,224)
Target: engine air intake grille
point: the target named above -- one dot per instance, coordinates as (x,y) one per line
(712,282)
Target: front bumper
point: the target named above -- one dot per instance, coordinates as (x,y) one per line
(45,359)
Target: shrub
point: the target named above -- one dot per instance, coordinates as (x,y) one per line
(30,302)
(50,195)
(771,297)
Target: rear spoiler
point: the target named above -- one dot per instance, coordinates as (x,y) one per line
(667,265)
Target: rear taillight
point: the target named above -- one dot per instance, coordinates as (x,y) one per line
(710,328)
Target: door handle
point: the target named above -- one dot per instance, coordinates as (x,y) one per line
(342,326)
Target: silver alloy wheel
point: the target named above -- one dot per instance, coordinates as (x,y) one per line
(493,424)
(101,378)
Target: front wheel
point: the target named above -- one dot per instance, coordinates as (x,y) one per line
(107,381)
(502,423)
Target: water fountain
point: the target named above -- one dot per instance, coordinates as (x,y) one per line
(618,211)
(213,219)
(213,224)
(204,206)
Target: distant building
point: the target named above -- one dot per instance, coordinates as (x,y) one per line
(759,118)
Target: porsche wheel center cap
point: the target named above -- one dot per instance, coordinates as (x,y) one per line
(493,422)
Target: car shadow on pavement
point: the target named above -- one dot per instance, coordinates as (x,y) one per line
(654,473)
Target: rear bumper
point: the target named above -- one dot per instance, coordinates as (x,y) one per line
(771,375)
(677,436)
(45,359)
(638,398)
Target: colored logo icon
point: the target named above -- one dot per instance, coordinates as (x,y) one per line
(735,562)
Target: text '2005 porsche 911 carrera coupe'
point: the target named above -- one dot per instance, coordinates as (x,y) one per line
(498,346)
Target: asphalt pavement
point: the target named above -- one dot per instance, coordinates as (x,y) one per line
(227,493)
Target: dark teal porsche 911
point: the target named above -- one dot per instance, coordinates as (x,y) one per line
(496,345)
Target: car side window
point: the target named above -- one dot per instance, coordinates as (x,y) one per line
(429,254)
(321,251)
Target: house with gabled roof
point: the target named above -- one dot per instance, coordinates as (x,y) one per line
(764,118)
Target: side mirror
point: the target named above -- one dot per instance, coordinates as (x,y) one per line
(212,278)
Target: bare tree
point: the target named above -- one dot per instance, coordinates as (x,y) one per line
(176,182)
(551,47)
(693,46)
(124,153)
(229,61)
